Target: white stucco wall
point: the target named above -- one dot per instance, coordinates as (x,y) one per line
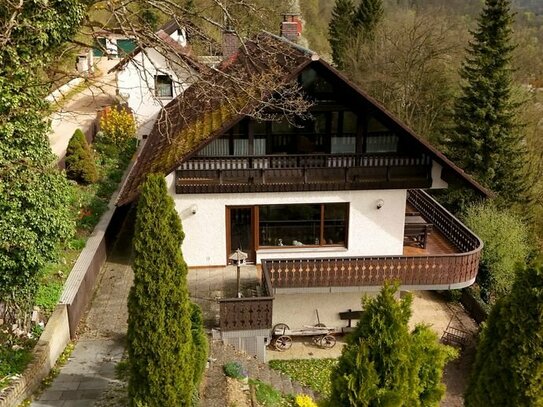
(437,181)
(136,85)
(372,231)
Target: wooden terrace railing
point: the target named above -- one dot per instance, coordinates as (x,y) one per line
(248,313)
(428,272)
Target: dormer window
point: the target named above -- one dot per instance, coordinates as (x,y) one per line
(163,86)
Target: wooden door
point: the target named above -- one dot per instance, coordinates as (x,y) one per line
(240,225)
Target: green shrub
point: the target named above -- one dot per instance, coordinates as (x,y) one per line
(199,340)
(505,240)
(118,126)
(80,165)
(313,373)
(234,370)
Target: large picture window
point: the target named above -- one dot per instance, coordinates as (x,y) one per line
(303,225)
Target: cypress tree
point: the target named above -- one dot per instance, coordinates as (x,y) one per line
(383,364)
(366,18)
(159,339)
(80,165)
(340,30)
(486,140)
(508,368)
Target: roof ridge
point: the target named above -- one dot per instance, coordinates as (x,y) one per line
(314,56)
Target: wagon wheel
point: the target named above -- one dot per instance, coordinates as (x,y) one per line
(280,327)
(327,341)
(283,343)
(317,340)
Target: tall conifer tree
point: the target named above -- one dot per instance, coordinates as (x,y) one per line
(340,30)
(486,140)
(508,369)
(383,364)
(366,18)
(160,334)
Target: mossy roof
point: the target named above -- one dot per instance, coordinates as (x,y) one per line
(213,104)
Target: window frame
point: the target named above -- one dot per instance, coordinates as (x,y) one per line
(321,245)
(163,74)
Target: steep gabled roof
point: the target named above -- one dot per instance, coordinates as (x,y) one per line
(163,33)
(434,152)
(198,116)
(213,104)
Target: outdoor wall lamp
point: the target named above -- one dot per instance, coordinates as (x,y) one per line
(380,203)
(194,209)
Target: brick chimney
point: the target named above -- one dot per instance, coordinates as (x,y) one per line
(291,26)
(230,43)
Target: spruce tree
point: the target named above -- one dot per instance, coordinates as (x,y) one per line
(486,140)
(340,30)
(508,368)
(366,18)
(159,339)
(383,364)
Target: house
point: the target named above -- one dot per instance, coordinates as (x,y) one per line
(326,205)
(149,77)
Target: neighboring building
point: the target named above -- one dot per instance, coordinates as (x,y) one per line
(329,204)
(148,78)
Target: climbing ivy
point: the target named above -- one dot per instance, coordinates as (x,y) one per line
(34,195)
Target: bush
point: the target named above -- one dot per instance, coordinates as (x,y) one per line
(80,165)
(303,400)
(234,370)
(118,126)
(505,240)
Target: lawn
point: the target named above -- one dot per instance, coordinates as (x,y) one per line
(313,373)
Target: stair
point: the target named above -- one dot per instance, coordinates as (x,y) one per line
(222,354)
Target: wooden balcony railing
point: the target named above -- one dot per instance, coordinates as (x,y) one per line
(249,313)
(427,272)
(442,271)
(302,172)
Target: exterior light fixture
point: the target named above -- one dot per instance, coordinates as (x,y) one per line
(380,203)
(194,209)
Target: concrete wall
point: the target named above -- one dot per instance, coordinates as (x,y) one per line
(251,342)
(372,231)
(136,85)
(329,305)
(50,346)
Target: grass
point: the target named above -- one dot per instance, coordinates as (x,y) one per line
(15,355)
(267,396)
(313,373)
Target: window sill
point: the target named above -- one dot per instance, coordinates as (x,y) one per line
(307,249)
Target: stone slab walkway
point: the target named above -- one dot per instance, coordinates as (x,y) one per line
(91,367)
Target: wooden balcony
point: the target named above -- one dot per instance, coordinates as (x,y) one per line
(315,172)
(450,260)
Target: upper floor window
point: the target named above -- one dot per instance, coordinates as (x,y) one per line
(163,86)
